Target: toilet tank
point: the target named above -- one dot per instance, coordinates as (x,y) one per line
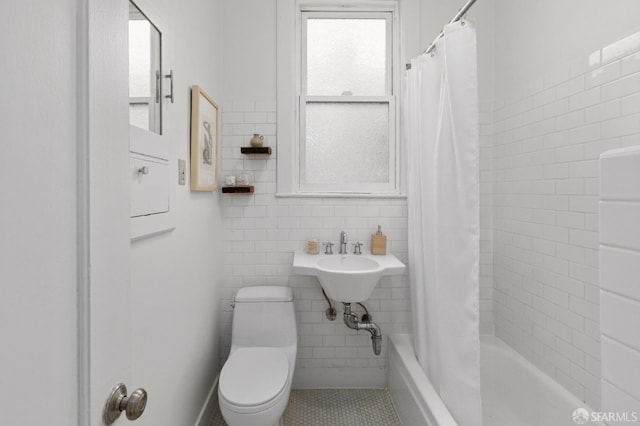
(264,316)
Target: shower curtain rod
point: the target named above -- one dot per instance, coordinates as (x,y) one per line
(456,18)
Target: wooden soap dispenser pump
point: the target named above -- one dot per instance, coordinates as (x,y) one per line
(379,243)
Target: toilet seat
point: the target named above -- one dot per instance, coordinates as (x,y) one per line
(253,378)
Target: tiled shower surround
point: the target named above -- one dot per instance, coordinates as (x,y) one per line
(549,134)
(262,232)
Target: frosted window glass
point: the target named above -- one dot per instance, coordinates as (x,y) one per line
(346,55)
(347,143)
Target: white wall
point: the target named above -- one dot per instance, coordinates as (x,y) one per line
(566,91)
(531,35)
(619,294)
(176,277)
(38,213)
(249,51)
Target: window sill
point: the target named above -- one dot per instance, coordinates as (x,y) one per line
(338,195)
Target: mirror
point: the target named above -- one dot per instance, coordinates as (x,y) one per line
(145,73)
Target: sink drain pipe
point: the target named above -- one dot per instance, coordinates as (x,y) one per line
(352,321)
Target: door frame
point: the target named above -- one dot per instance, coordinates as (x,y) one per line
(103,225)
(82,223)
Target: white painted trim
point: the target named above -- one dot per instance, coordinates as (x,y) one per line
(396,82)
(347,5)
(347,99)
(337,195)
(144,142)
(288,79)
(153,224)
(412,394)
(206,413)
(83,303)
(406,22)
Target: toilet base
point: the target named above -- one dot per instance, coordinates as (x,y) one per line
(272,416)
(233,419)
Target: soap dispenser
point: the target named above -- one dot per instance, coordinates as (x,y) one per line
(379,243)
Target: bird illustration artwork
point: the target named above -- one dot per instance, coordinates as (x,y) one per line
(207,151)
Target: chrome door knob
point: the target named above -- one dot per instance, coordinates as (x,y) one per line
(135,404)
(118,401)
(143,170)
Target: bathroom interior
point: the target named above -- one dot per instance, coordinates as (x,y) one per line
(542,330)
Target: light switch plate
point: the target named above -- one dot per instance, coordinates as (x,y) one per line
(182,172)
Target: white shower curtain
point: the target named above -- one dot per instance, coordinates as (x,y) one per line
(443,198)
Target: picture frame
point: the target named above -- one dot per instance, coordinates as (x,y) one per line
(204,141)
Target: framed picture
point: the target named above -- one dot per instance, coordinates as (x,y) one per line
(204,141)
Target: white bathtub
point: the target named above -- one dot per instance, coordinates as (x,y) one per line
(514,391)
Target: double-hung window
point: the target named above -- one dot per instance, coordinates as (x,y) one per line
(347,114)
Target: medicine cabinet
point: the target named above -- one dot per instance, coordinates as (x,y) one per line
(150,92)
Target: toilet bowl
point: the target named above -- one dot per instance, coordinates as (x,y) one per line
(255,381)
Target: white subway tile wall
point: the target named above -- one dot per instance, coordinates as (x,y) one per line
(486,218)
(548,137)
(262,232)
(619,293)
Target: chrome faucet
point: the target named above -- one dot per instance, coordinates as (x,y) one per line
(343,243)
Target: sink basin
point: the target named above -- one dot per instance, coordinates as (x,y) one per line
(348,264)
(347,278)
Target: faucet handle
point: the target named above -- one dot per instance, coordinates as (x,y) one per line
(328,248)
(356,248)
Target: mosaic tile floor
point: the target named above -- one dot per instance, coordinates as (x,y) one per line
(339,407)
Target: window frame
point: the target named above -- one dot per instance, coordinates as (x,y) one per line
(387,98)
(290,95)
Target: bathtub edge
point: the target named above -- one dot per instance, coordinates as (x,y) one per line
(405,376)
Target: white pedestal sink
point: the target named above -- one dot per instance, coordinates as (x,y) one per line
(347,278)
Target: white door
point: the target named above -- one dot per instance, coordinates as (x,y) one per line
(64,241)
(105,356)
(38,273)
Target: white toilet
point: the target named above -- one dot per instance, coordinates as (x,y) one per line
(255,382)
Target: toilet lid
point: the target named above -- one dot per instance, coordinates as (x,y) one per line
(254,376)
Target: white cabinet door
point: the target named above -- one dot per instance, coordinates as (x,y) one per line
(149,185)
(151,181)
